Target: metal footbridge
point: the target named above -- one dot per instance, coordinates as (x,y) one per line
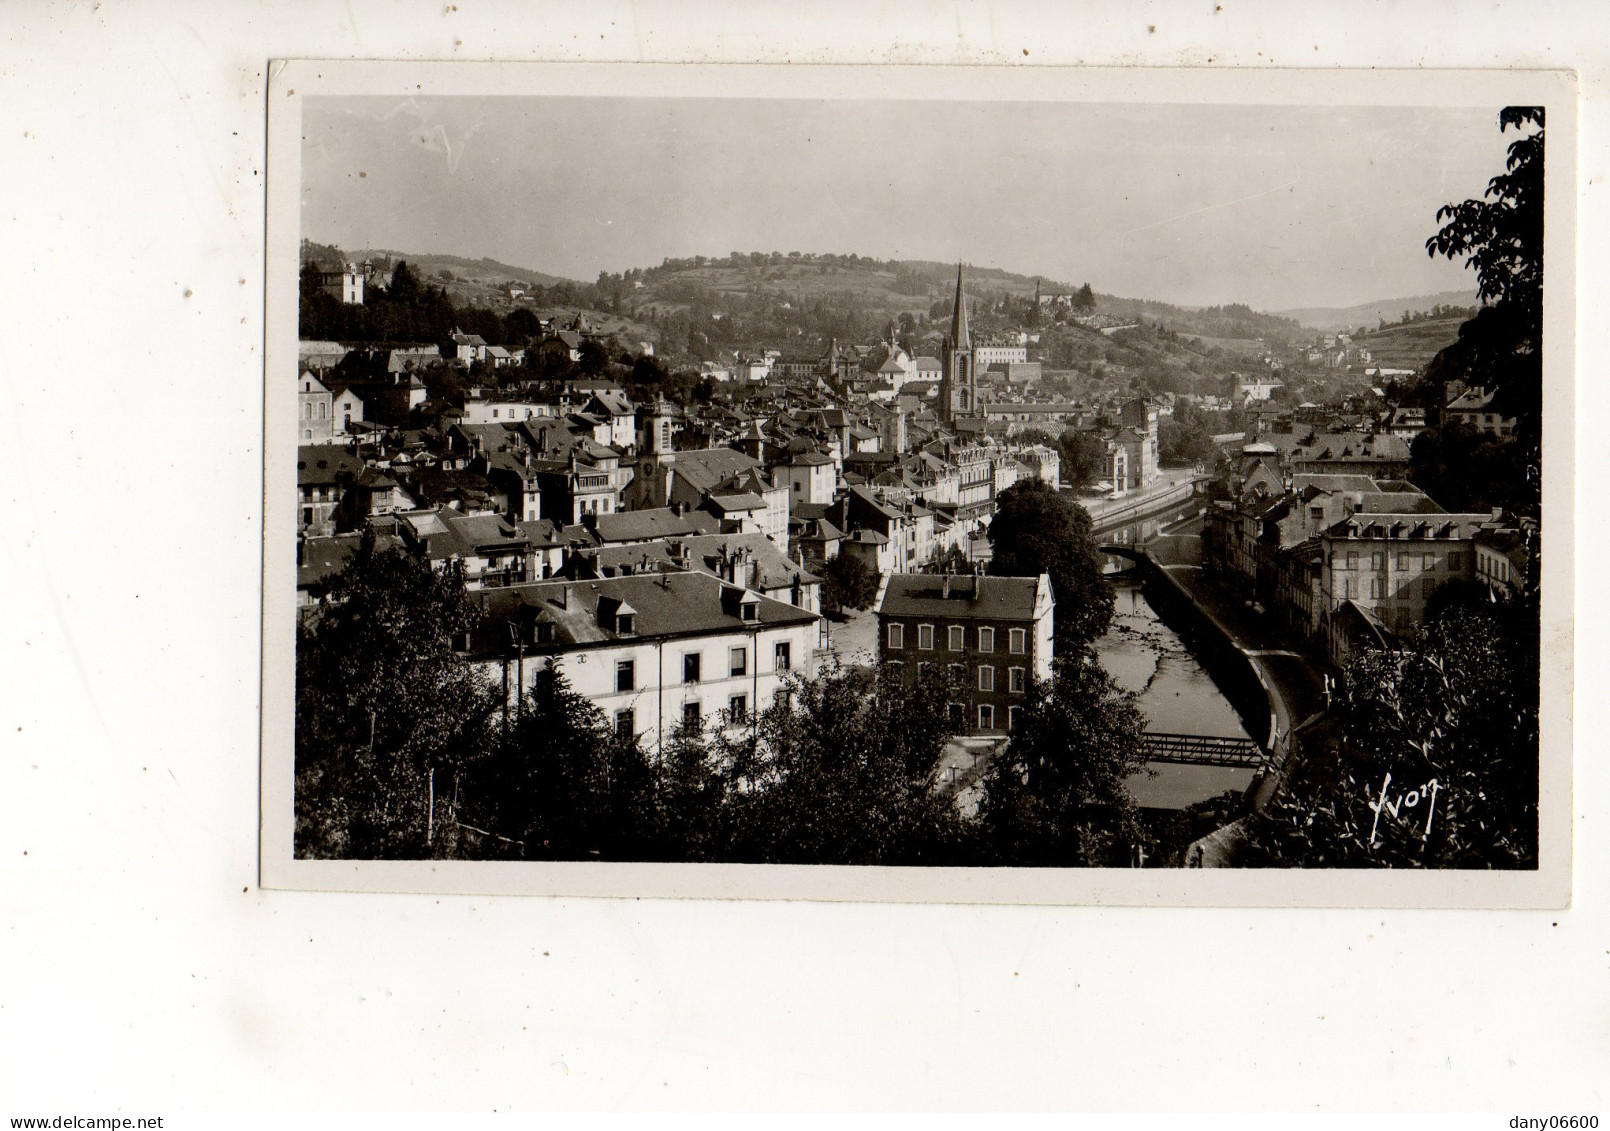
(1202,750)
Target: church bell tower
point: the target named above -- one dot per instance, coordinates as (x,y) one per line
(958,395)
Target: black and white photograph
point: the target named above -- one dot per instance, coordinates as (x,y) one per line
(958,482)
(894,556)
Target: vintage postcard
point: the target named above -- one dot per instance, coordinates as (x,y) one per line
(958,484)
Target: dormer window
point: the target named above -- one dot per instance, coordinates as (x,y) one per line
(625,624)
(749,610)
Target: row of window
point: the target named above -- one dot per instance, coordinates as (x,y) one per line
(1427,560)
(986,716)
(693,665)
(1017,638)
(1378,588)
(692,715)
(1016,678)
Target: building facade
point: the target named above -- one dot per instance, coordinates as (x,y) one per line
(988,635)
(653,652)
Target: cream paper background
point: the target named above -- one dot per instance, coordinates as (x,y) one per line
(147,969)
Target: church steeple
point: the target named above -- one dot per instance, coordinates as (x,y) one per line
(958,393)
(959,337)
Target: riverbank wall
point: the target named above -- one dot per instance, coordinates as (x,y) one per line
(1241,677)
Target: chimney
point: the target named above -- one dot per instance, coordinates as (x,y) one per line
(945,592)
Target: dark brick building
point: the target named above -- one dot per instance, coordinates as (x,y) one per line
(992,633)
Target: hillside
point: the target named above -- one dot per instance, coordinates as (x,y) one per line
(1412,345)
(1373,313)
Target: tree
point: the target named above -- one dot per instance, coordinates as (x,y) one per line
(847,583)
(594,358)
(842,768)
(1086,299)
(1501,238)
(1057,796)
(1036,530)
(1501,235)
(569,784)
(950,559)
(1083,459)
(405,286)
(1445,733)
(383,700)
(1185,443)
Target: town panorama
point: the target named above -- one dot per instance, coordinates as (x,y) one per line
(804,558)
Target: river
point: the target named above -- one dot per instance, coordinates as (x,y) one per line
(1176,695)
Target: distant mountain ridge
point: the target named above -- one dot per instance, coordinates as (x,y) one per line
(1372,313)
(890,286)
(430,262)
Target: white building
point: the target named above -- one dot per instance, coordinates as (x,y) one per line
(653,651)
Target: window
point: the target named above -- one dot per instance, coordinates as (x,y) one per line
(956,672)
(957,638)
(544,632)
(957,715)
(1456,560)
(1377,560)
(1352,560)
(785,656)
(1014,679)
(986,678)
(690,667)
(625,723)
(1317,514)
(624,625)
(1428,586)
(986,640)
(897,636)
(1403,559)
(626,675)
(692,715)
(1017,641)
(1428,561)
(1375,588)
(738,708)
(986,716)
(1011,718)
(740,661)
(925,637)
(923,670)
(750,610)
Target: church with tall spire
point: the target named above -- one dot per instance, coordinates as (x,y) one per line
(958,388)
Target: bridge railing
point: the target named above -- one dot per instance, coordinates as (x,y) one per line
(1143,508)
(1202,750)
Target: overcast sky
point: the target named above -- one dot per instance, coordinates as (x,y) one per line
(1277,207)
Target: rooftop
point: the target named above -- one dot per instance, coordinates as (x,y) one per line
(962,596)
(667,605)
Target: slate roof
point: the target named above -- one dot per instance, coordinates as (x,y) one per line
(319,465)
(708,469)
(648,524)
(743,501)
(971,597)
(327,557)
(668,605)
